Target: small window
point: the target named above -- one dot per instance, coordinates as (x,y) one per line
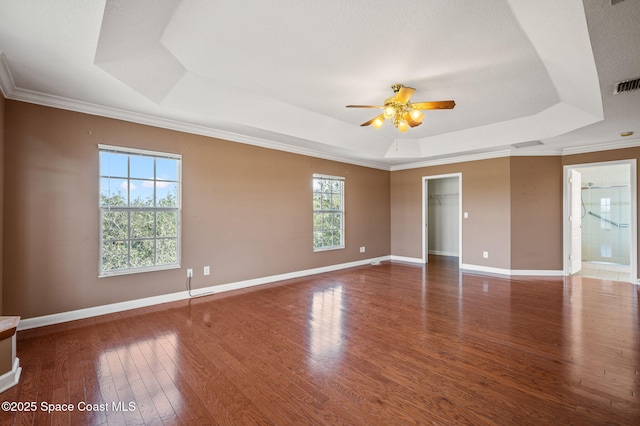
(328,212)
(139,210)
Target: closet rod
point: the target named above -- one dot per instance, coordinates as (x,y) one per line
(605,186)
(443,195)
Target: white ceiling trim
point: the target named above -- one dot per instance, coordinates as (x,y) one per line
(10,91)
(7,85)
(517,153)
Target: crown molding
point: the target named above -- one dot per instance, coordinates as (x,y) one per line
(145,119)
(11,91)
(451,160)
(6,79)
(607,146)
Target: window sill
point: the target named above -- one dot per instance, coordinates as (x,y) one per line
(137,270)
(316,250)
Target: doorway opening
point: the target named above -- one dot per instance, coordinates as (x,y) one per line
(442,216)
(600,221)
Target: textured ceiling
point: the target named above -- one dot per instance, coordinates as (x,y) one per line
(279,73)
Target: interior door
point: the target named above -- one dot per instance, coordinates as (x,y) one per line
(575,219)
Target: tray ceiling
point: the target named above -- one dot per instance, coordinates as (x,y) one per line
(279,73)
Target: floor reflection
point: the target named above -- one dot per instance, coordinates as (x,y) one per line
(326,325)
(141,365)
(601,339)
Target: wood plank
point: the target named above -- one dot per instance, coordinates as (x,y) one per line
(386,344)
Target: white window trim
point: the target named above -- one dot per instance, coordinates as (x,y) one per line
(125,150)
(343,233)
(157,154)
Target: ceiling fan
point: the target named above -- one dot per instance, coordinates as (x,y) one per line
(403,113)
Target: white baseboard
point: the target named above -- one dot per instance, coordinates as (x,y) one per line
(11,378)
(406,259)
(26,324)
(511,272)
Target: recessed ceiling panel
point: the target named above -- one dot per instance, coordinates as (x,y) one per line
(285,70)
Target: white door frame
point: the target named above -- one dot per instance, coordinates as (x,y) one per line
(425,214)
(633,229)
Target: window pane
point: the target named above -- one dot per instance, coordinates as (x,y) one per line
(114,225)
(337,221)
(166,169)
(141,193)
(327,221)
(317,221)
(317,201)
(113,164)
(141,167)
(167,224)
(326,202)
(336,202)
(142,224)
(167,251)
(167,194)
(337,240)
(113,192)
(317,239)
(327,238)
(142,253)
(114,255)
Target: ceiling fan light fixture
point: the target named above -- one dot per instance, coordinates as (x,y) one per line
(416,115)
(389,111)
(402,113)
(378,122)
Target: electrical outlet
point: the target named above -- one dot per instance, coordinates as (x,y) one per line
(207,271)
(189,273)
(362,249)
(485,254)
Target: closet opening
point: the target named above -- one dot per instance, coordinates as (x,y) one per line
(441,216)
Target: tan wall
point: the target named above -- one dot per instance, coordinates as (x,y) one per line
(515,209)
(603,156)
(536,213)
(485,196)
(246,211)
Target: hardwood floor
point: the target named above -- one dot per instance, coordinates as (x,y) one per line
(388,344)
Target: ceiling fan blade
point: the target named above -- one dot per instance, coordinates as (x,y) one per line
(410,121)
(434,105)
(404,94)
(364,106)
(366,123)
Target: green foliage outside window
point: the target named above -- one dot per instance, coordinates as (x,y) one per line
(139,217)
(328,212)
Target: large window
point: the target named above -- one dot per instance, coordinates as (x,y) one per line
(139,210)
(328,212)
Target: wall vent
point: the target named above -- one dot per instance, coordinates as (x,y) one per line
(627,86)
(526,144)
